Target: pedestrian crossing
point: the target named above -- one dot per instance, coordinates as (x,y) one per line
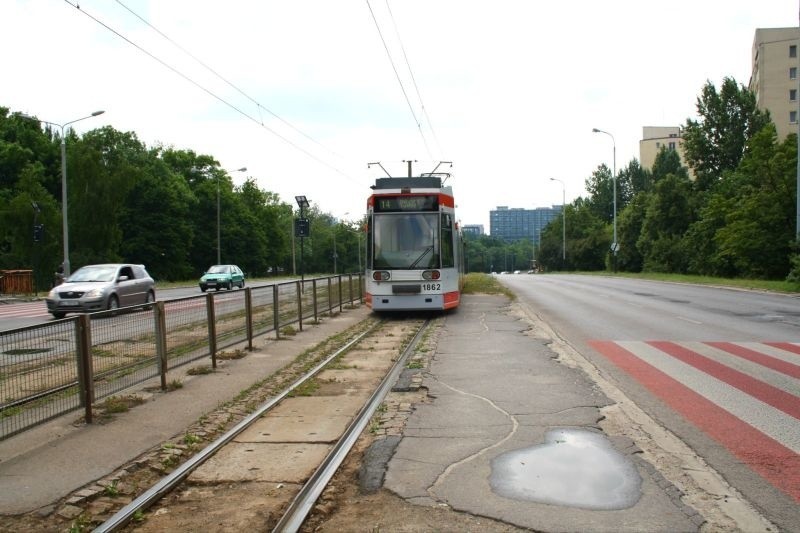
(744,395)
(23,310)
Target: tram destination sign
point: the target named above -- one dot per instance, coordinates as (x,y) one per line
(420,202)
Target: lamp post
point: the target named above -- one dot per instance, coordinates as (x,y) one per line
(614,245)
(219,241)
(563,221)
(64,223)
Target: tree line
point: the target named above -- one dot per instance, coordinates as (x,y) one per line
(731,213)
(157,206)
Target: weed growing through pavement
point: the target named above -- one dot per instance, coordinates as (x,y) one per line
(111,490)
(200,370)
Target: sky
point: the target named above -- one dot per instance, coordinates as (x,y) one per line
(304,95)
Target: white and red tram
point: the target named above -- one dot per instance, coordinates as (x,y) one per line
(414,254)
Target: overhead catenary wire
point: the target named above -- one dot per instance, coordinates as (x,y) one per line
(214,95)
(399,80)
(413,79)
(221,77)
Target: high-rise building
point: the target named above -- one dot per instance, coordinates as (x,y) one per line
(774,76)
(518,223)
(472,229)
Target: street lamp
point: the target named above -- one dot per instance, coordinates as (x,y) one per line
(65,226)
(563,221)
(219,241)
(614,245)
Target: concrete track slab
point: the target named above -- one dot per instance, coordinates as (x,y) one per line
(272,462)
(323,428)
(344,405)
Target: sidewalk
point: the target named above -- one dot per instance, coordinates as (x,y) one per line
(47,463)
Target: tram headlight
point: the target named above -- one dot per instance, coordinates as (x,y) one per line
(380,275)
(431,274)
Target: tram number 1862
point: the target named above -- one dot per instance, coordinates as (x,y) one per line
(431,286)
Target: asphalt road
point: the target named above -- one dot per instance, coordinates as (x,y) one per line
(18,313)
(718,367)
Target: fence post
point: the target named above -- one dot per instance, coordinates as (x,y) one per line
(330,298)
(314,299)
(299,306)
(83,336)
(161,341)
(360,288)
(212,329)
(340,294)
(276,320)
(248,313)
(350,287)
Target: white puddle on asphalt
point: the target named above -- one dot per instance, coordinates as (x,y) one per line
(574,468)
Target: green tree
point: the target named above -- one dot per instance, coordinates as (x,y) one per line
(156,222)
(668,162)
(717,141)
(668,215)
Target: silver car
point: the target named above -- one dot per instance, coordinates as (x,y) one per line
(101,287)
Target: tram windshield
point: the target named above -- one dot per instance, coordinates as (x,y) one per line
(406,240)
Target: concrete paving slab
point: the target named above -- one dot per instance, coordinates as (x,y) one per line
(268,462)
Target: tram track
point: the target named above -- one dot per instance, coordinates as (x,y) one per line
(382,348)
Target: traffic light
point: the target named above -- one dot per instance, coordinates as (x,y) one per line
(38,232)
(302,228)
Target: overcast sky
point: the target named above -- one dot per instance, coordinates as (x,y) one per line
(304,95)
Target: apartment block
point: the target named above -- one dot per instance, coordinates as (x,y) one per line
(473,230)
(774,76)
(513,224)
(654,138)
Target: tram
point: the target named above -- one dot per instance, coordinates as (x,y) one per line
(415,255)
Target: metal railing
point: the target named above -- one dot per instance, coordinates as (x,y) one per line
(50,369)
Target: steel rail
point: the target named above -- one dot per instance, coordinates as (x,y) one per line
(166,484)
(298,510)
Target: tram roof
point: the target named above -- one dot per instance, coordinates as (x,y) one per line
(422,182)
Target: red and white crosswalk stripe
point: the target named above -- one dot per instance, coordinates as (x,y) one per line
(23,309)
(746,396)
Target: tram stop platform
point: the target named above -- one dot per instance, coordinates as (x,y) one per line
(509,432)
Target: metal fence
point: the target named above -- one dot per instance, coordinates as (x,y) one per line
(50,369)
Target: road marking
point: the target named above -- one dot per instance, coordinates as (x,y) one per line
(689,320)
(738,413)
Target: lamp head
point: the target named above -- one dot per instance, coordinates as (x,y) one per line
(96,113)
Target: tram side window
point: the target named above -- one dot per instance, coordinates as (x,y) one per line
(448,261)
